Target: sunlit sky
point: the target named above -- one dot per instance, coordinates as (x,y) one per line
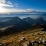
(9,6)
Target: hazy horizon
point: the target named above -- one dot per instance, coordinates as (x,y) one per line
(23,8)
(34,16)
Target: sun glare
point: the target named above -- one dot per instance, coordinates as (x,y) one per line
(2,10)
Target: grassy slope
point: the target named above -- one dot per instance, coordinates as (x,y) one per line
(14,39)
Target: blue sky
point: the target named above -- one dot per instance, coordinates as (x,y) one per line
(35,4)
(9,6)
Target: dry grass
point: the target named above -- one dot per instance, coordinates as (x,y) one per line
(14,39)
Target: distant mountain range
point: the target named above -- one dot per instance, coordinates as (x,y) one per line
(7,17)
(4,19)
(16,25)
(21,22)
(39,20)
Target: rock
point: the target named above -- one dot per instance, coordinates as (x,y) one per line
(39,42)
(32,43)
(28,43)
(1,44)
(40,33)
(36,37)
(22,38)
(40,39)
(25,45)
(43,40)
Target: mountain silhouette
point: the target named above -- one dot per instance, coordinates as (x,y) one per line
(16,25)
(29,20)
(40,20)
(25,22)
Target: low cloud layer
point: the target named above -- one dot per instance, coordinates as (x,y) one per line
(8,7)
(14,10)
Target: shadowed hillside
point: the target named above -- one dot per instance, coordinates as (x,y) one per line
(23,32)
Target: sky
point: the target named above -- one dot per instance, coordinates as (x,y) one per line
(19,6)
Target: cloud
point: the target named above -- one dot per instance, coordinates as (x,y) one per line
(7,7)
(16,4)
(4,3)
(17,11)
